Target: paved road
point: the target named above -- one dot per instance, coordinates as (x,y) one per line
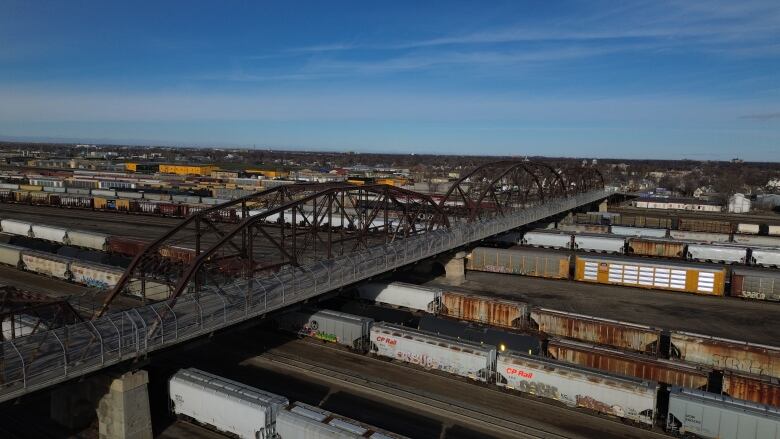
(740,319)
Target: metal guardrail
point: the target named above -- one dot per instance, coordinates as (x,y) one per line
(46,358)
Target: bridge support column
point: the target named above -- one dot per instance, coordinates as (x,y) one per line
(455,268)
(120,403)
(603,206)
(123,412)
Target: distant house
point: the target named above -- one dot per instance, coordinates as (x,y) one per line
(670,203)
(774,183)
(739,203)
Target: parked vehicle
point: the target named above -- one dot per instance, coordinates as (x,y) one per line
(525,261)
(303,421)
(599,244)
(466,359)
(401,295)
(628,398)
(333,326)
(647,273)
(226,405)
(712,416)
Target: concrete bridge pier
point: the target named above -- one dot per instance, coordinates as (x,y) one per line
(121,404)
(454,267)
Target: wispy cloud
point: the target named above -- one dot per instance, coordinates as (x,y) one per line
(762,116)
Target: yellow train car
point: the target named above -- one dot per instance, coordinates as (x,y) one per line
(30,187)
(702,279)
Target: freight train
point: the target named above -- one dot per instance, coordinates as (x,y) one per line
(632,398)
(99,276)
(704,222)
(159,204)
(681,276)
(756,254)
(250,413)
(742,370)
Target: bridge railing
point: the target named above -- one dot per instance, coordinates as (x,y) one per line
(48,357)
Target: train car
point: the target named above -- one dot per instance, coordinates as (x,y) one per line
(547,239)
(765,256)
(42,198)
(724,254)
(627,398)
(665,248)
(149,207)
(75,201)
(129,195)
(706,237)
(706,415)
(748,229)
(125,246)
(430,351)
(646,273)
(622,335)
(754,388)
(767,241)
(91,240)
(773,230)
(485,310)
(726,354)
(401,295)
(333,326)
(46,264)
(11,255)
(500,339)
(94,275)
(523,261)
(599,244)
(50,233)
(303,421)
(601,229)
(629,364)
(16,227)
(104,193)
(752,283)
(638,231)
(702,225)
(226,405)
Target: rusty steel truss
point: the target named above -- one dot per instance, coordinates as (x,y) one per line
(293,225)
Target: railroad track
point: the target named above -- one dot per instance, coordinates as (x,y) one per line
(412,368)
(720,216)
(484,420)
(76,213)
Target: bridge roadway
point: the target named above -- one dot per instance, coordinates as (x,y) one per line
(50,357)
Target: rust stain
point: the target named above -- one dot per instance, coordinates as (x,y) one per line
(756,389)
(726,355)
(623,364)
(596,331)
(649,247)
(494,312)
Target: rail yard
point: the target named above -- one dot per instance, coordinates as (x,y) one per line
(603,325)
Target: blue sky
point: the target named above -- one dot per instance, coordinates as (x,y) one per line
(667,79)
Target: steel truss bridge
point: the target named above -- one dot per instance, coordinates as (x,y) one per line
(242,259)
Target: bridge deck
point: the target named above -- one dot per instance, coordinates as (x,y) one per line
(50,357)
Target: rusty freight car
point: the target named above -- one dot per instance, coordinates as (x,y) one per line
(486,310)
(596,330)
(629,364)
(524,261)
(665,248)
(760,389)
(725,354)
